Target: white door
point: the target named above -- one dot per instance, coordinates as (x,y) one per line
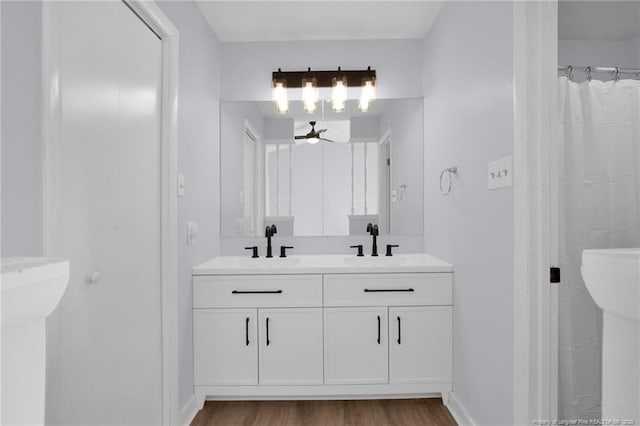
(355,345)
(103,213)
(420,346)
(291,346)
(225,347)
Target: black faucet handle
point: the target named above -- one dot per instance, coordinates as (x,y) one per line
(359,247)
(283,250)
(254,251)
(369,227)
(389,247)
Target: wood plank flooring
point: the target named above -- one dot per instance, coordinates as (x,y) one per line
(382,412)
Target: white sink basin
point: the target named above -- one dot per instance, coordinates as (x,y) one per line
(397,260)
(612,277)
(31,288)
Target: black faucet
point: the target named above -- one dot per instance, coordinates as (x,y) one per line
(373,231)
(269,232)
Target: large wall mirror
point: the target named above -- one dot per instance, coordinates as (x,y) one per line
(366,167)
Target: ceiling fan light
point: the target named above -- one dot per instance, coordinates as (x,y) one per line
(313,140)
(279,96)
(310,94)
(339,93)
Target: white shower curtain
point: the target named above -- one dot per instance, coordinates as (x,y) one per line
(599,136)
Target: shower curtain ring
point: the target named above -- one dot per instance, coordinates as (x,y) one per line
(570,72)
(616,77)
(588,72)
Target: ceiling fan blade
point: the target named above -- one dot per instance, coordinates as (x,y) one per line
(322,131)
(327,140)
(301,137)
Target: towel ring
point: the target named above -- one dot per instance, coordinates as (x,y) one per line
(616,76)
(449,171)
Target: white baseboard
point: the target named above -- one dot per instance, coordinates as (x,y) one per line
(189,410)
(458,411)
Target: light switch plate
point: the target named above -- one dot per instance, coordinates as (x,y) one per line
(500,173)
(180,185)
(192,232)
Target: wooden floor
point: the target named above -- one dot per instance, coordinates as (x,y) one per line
(383,412)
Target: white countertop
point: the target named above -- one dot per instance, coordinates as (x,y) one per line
(322,264)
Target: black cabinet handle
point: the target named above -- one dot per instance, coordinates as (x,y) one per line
(256,292)
(399,328)
(246,331)
(387,290)
(268,332)
(378,329)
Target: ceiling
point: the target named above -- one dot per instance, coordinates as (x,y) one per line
(598,20)
(234,21)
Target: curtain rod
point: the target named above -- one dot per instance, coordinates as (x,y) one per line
(587,69)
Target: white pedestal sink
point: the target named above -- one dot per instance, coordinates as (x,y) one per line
(612,277)
(31,290)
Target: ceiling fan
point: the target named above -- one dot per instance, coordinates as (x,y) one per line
(314,136)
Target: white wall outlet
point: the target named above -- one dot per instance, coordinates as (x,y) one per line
(180,185)
(192,232)
(501,173)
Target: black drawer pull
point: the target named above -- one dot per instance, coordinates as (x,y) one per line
(268,341)
(257,291)
(399,328)
(387,290)
(246,331)
(378,329)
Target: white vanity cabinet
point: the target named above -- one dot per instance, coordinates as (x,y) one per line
(225,347)
(355,346)
(326,331)
(290,350)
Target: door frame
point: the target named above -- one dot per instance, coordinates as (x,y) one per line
(535,56)
(151,14)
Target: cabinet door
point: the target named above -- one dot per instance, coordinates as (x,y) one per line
(225,347)
(355,345)
(420,344)
(290,346)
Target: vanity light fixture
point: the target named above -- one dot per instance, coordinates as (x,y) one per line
(311,81)
(279,95)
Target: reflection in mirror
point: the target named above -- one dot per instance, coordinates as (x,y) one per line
(321,174)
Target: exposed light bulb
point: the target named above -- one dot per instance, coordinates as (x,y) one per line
(367,96)
(279,96)
(310,95)
(339,94)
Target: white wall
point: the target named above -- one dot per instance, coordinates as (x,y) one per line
(198,159)
(468,122)
(406,119)
(21,129)
(247,67)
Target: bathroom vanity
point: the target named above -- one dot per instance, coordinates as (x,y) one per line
(323,327)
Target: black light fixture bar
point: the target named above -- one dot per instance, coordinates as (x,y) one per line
(324,78)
